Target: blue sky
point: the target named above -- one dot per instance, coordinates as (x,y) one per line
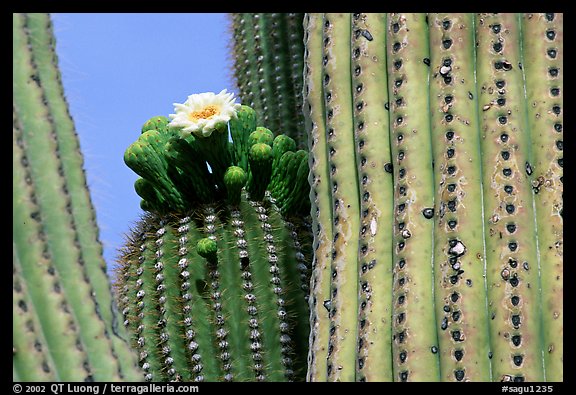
(118,70)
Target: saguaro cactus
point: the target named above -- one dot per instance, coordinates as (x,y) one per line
(213,281)
(428,209)
(65,325)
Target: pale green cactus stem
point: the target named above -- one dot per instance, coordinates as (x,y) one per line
(320,198)
(414,323)
(372,141)
(460,293)
(542,60)
(510,234)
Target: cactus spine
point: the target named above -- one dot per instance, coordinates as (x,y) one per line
(213,283)
(65,324)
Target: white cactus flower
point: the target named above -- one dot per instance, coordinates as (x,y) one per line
(202,113)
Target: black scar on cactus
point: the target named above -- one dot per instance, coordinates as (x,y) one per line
(213,282)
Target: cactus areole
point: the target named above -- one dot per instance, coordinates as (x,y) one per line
(213,282)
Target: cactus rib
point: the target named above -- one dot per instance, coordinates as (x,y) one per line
(458,254)
(414,326)
(510,237)
(345,209)
(320,198)
(372,141)
(542,57)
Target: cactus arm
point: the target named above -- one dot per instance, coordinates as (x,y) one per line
(320,198)
(72,165)
(414,324)
(542,54)
(460,292)
(45,154)
(510,237)
(130,271)
(267,64)
(343,180)
(372,141)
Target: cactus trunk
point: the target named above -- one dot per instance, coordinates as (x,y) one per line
(472,170)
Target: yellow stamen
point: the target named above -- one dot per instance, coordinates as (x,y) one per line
(205,113)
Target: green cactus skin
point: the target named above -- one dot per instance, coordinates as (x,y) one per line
(460,293)
(268,63)
(510,233)
(372,141)
(320,198)
(414,322)
(218,291)
(542,57)
(63,301)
